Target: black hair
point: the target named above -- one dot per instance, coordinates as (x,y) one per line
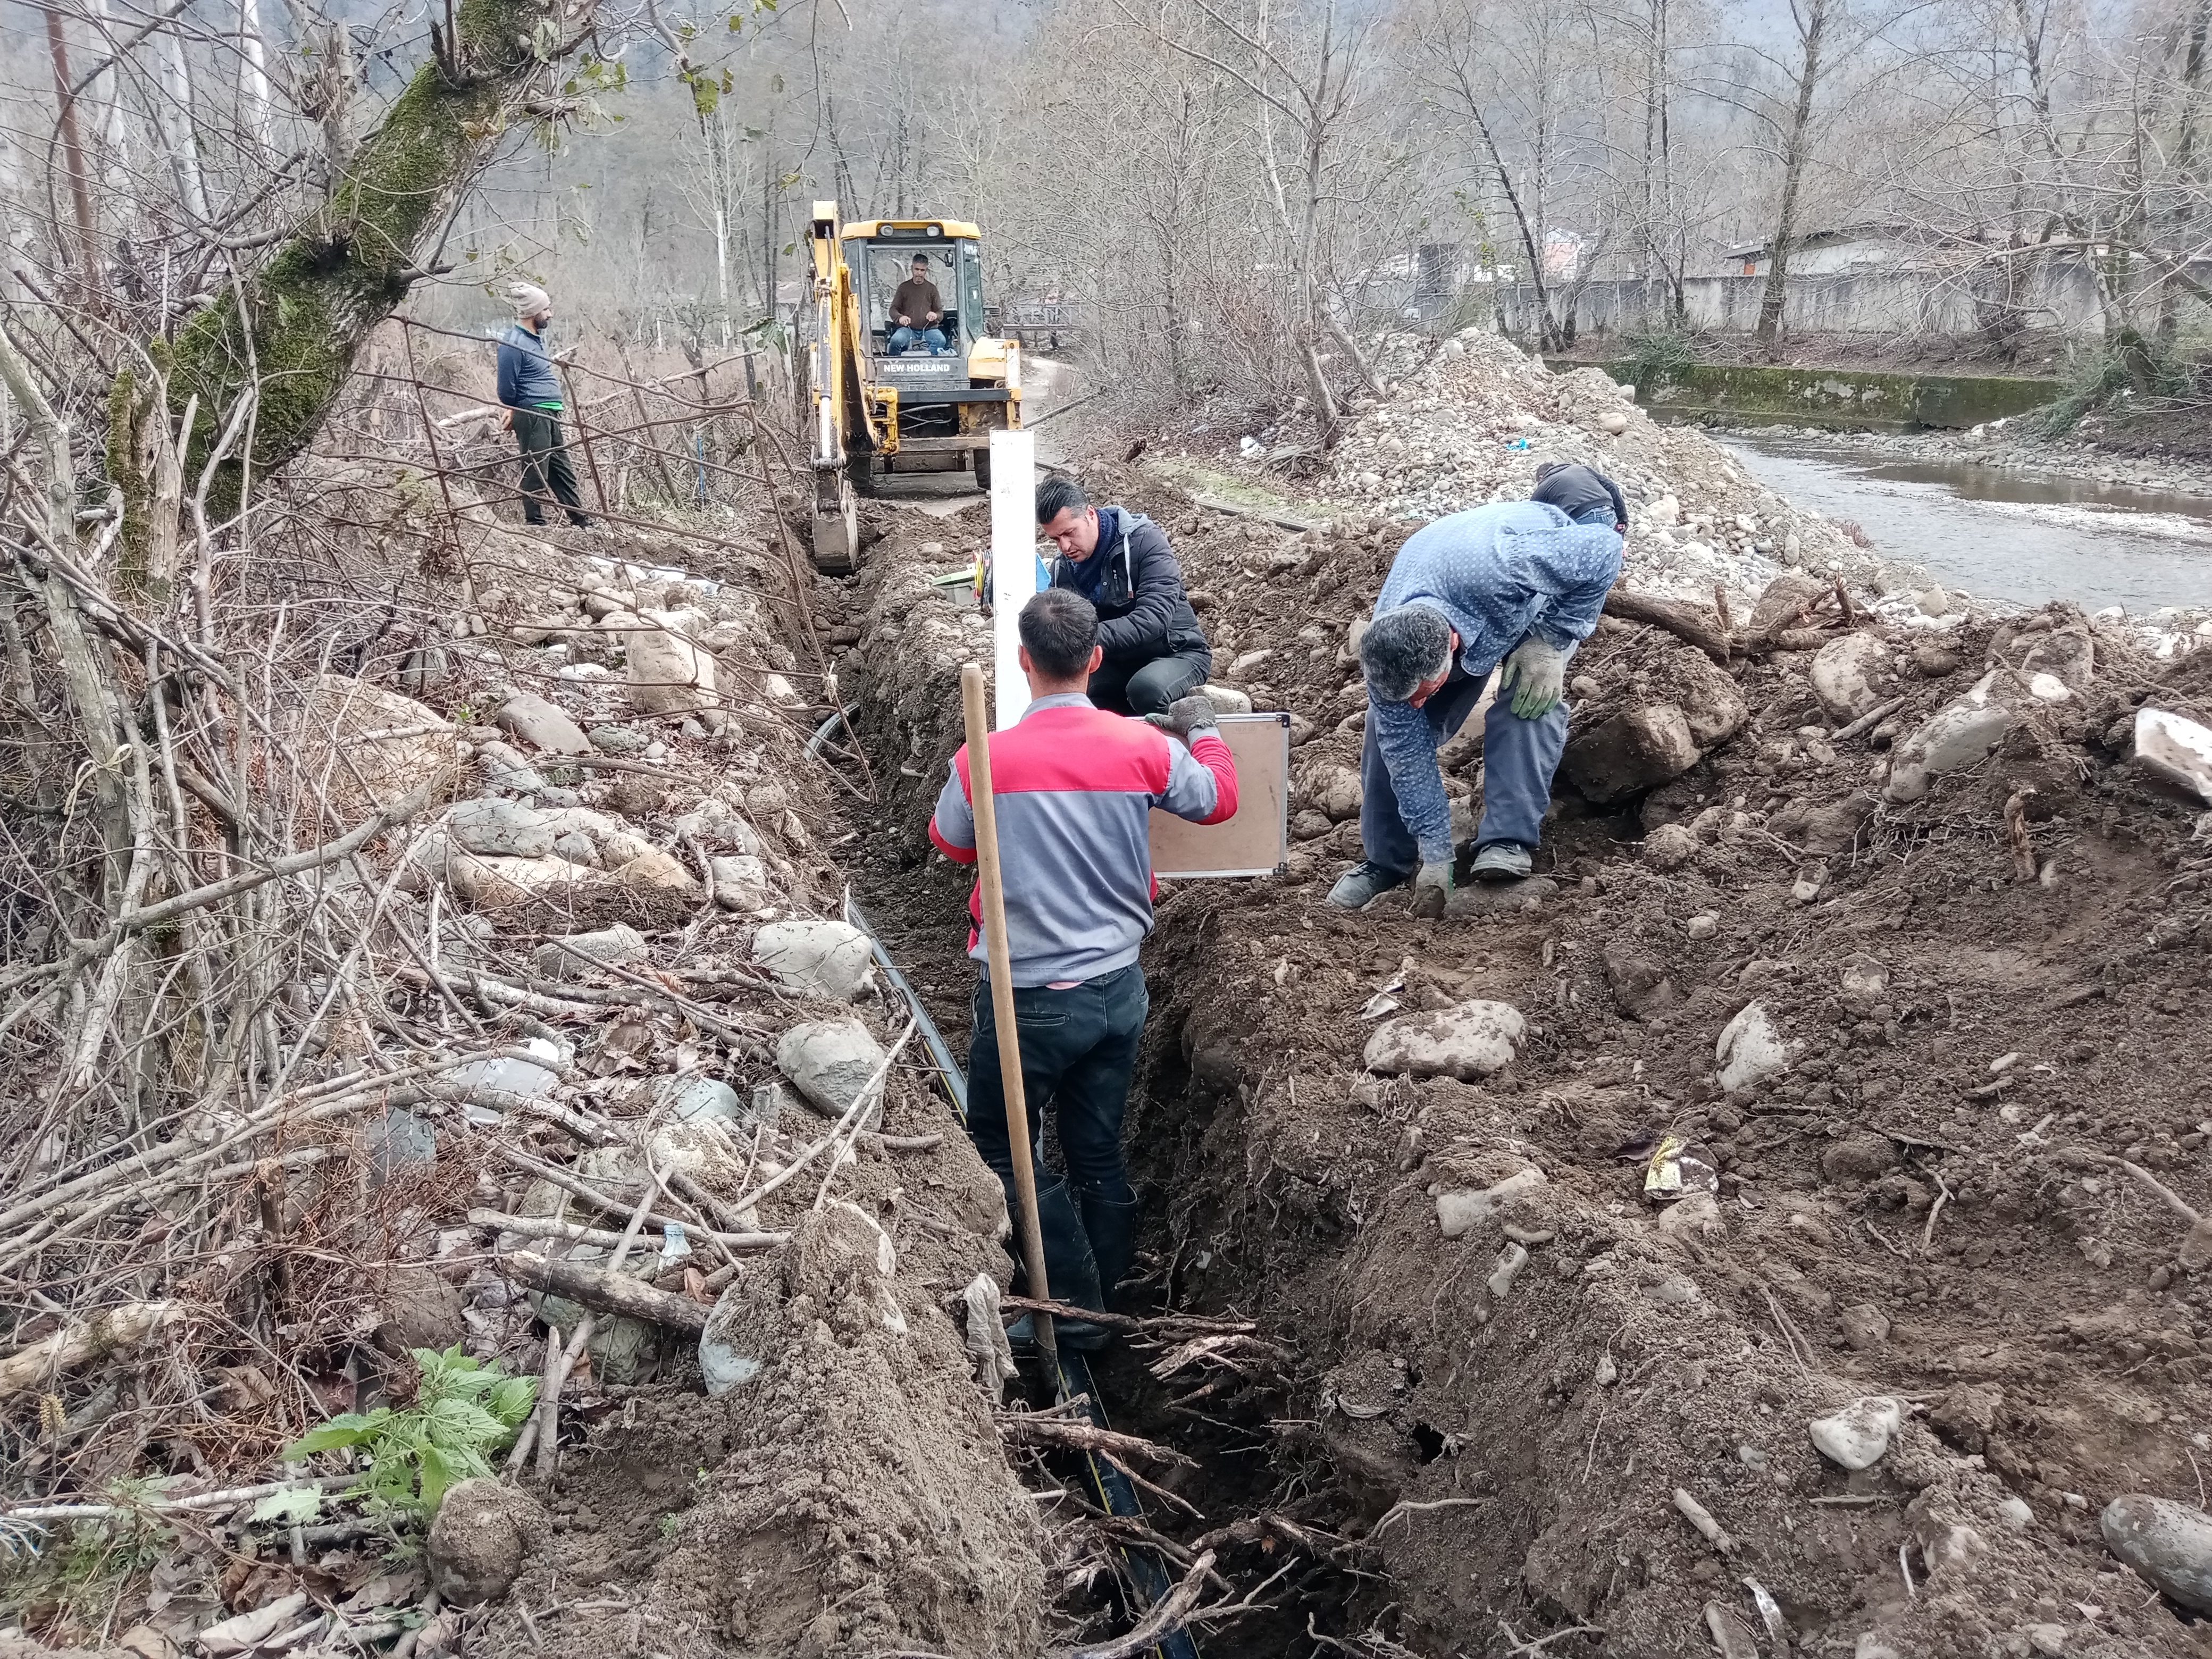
(1060,627)
(1056,495)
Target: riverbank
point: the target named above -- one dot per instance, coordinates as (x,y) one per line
(2010,446)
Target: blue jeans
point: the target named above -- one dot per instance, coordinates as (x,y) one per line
(903,337)
(1079,1053)
(1518,759)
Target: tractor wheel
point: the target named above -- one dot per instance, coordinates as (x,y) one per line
(860,467)
(982,460)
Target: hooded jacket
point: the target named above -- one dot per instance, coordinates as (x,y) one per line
(1144,612)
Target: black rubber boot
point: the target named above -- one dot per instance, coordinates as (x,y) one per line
(1111,1225)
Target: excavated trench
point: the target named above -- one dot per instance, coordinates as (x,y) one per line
(1582,1415)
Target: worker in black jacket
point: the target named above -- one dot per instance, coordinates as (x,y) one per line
(1122,563)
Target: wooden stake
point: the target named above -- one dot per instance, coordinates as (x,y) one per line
(1002,997)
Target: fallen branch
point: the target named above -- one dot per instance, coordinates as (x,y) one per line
(605,1293)
(1168,1325)
(106,1333)
(1682,621)
(2196,1249)
(69,1510)
(1046,1430)
(532,1226)
(1873,717)
(1169,1614)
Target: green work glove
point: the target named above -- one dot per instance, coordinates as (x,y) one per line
(1185,717)
(1537,675)
(1432,890)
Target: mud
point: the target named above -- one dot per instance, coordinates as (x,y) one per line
(1923,1207)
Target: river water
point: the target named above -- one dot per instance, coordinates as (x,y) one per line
(2003,535)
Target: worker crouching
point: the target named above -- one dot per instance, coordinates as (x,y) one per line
(1519,583)
(1074,787)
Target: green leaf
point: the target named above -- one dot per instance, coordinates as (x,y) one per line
(512,1399)
(294,1507)
(350,1429)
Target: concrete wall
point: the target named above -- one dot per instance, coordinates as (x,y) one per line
(2056,296)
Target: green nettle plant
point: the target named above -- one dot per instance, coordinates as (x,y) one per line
(464,1412)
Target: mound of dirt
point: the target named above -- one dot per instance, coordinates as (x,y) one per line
(1474,421)
(1887,1057)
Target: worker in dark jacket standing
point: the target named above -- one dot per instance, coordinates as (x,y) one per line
(531,392)
(1153,650)
(1075,788)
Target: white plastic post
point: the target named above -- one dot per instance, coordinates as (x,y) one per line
(1014,567)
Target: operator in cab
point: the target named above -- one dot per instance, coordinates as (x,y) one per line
(1153,651)
(916,312)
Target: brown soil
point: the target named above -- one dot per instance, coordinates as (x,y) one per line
(2039,1327)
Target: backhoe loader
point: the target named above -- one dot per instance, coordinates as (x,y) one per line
(888,400)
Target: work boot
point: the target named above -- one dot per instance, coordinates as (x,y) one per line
(1365,882)
(1111,1225)
(1068,1262)
(1501,860)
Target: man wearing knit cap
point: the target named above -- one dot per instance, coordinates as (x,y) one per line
(532,391)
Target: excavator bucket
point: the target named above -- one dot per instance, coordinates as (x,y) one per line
(837,538)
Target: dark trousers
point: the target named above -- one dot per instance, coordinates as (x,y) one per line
(545,460)
(1079,1053)
(1138,687)
(1518,759)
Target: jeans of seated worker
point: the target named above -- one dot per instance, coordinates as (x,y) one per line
(902,337)
(1518,759)
(1147,687)
(1079,1053)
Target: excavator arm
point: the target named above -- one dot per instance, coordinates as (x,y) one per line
(840,424)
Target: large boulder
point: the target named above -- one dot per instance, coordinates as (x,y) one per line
(1850,675)
(573,955)
(1962,733)
(1468,1040)
(830,959)
(529,719)
(1786,598)
(365,747)
(2180,750)
(2169,1543)
(481,1538)
(666,672)
(1749,1050)
(502,828)
(1633,751)
(829,1061)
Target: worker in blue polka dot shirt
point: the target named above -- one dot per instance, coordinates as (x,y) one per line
(1516,582)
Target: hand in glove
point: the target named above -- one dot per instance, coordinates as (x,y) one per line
(1185,717)
(1536,673)
(1432,890)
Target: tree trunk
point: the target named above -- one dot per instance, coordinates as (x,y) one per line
(1795,150)
(73,155)
(287,335)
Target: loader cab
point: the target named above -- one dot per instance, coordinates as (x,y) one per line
(881,253)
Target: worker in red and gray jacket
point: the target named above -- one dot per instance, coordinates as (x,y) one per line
(1075,788)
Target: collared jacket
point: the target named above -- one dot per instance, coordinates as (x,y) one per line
(1144,612)
(1499,573)
(1074,787)
(526,379)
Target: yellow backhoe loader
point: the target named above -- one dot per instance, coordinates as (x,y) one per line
(924,397)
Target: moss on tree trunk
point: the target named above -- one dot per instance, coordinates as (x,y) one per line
(303,315)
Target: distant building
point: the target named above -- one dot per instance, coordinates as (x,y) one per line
(1848,250)
(1563,255)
